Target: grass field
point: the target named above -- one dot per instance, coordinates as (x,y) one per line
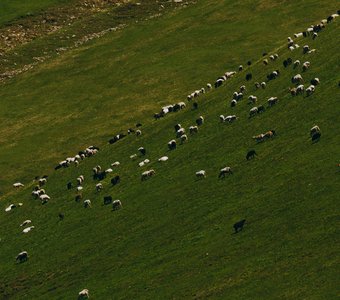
(173,238)
(14,9)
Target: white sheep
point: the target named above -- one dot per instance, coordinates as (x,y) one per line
(99,187)
(18,185)
(310,90)
(209,86)
(116,204)
(253,111)
(272,101)
(183,138)
(201,174)
(163,158)
(133,156)
(193,129)
(115,164)
(28,229)
(26,222)
(84,294)
(305,66)
(263,85)
(252,99)
(87,203)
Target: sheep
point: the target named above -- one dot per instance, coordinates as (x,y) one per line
(147,174)
(201,174)
(259,138)
(42,181)
(296,63)
(249,76)
(311,51)
(107,200)
(116,204)
(172,145)
(239,226)
(26,222)
(305,66)
(233,103)
(252,99)
(253,111)
(10,207)
(297,79)
(222,118)
(84,294)
(200,121)
(28,229)
(297,35)
(44,198)
(305,49)
(273,75)
(251,154)
(138,132)
(115,180)
(202,90)
(87,203)
(177,127)
(239,96)
(141,164)
(193,129)
(257,85)
(163,158)
(115,164)
(184,138)
(61,216)
(269,134)
(230,118)
(180,132)
(263,85)
(209,86)
(130,130)
(79,188)
(316,137)
(315,81)
(218,83)
(310,90)
(314,35)
(225,171)
(265,61)
(242,88)
(78,198)
(314,130)
(99,187)
(18,185)
(22,257)
(272,101)
(300,89)
(133,156)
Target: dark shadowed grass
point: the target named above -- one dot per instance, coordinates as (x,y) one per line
(174,238)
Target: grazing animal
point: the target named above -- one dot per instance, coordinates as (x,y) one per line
(253,112)
(84,294)
(249,76)
(163,158)
(316,137)
(263,85)
(142,150)
(315,81)
(201,174)
(99,187)
(116,204)
(115,180)
(18,185)
(69,185)
(224,172)
(200,121)
(172,145)
(107,200)
(193,129)
(260,109)
(87,203)
(272,101)
(314,130)
(239,225)
(61,216)
(147,174)
(78,198)
(195,105)
(251,154)
(26,222)
(22,257)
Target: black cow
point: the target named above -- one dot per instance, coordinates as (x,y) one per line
(57,167)
(239,225)
(195,105)
(251,154)
(69,185)
(115,180)
(138,125)
(107,200)
(61,216)
(249,63)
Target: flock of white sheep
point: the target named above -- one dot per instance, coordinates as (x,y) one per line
(180,133)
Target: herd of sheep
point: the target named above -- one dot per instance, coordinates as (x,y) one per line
(180,133)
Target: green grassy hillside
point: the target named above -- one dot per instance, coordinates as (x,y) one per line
(173,238)
(13,9)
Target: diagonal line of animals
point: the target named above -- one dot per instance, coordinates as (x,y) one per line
(298,87)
